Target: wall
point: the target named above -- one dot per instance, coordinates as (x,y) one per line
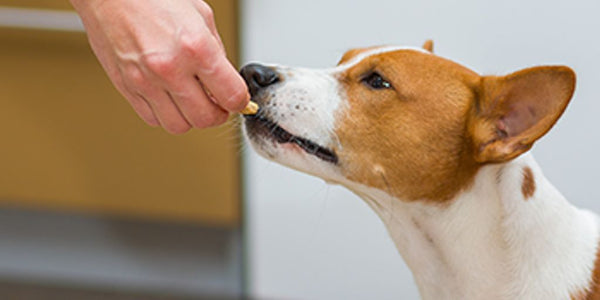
(309,240)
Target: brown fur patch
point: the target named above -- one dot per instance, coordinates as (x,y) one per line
(593,291)
(528,185)
(515,110)
(415,132)
(428,45)
(579,295)
(439,122)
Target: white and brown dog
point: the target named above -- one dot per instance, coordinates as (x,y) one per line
(441,154)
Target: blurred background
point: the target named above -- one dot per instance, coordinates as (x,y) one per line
(96,205)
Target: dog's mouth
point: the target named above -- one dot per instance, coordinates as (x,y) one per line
(261,124)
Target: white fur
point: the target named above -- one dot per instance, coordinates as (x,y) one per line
(491,243)
(302,104)
(306,103)
(375,51)
(488,243)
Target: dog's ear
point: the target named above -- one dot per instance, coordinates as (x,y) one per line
(428,45)
(513,111)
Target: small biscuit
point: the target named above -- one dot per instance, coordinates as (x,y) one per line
(250,109)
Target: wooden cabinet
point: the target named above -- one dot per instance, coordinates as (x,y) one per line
(69,141)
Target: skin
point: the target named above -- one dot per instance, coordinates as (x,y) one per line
(167,59)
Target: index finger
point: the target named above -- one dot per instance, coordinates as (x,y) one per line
(221,79)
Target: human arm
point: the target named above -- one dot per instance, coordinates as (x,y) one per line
(166,58)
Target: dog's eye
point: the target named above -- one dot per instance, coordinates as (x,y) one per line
(374,80)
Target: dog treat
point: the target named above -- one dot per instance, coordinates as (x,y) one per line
(250,109)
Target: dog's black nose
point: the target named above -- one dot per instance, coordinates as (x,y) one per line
(258,77)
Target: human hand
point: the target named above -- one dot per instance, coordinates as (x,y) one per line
(166,58)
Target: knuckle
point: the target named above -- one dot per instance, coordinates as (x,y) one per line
(194,45)
(160,64)
(204,49)
(136,77)
(209,14)
(207,11)
(125,89)
(210,68)
(116,76)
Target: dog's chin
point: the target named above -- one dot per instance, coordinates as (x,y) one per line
(275,143)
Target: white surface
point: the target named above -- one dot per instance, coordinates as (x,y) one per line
(309,240)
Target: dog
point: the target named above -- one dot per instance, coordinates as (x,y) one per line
(441,154)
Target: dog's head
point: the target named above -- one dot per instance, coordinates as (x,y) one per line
(402,120)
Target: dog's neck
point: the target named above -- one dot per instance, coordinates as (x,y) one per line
(511,235)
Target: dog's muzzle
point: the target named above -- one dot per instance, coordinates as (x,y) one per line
(259,78)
